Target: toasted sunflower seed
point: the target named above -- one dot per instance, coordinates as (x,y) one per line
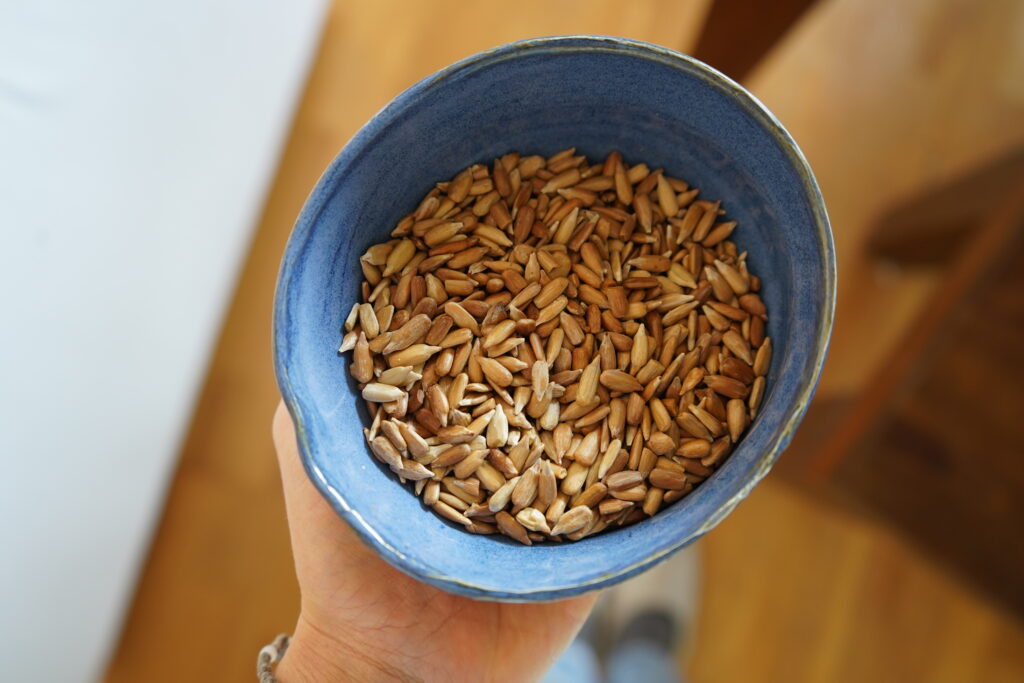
(588,326)
(617,380)
(508,525)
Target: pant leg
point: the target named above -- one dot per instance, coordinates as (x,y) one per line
(578,664)
(638,661)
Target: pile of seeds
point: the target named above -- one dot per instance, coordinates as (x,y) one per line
(550,347)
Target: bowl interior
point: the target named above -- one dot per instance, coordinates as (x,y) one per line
(540,97)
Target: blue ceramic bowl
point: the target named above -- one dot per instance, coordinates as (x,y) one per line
(538,97)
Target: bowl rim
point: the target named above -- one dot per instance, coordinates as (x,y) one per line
(323,190)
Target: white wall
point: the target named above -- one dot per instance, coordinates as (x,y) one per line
(137,140)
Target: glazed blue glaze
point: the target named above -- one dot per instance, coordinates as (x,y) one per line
(538,97)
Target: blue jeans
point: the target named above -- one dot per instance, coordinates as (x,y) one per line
(635,661)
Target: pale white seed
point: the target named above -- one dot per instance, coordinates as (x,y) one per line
(382,393)
(497,429)
(533,519)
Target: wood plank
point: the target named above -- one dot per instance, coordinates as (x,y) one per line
(801,592)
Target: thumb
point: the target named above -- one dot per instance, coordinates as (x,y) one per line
(330,560)
(293,477)
(308,513)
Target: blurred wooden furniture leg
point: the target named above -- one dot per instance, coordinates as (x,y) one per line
(738,33)
(934,443)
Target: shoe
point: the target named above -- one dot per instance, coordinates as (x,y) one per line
(659,605)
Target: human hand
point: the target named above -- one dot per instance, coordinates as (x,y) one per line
(361,619)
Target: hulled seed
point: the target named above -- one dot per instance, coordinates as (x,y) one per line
(550,348)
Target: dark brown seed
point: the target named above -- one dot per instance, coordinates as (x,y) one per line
(611,506)
(508,525)
(624,480)
(736,369)
(751,303)
(667,479)
(726,386)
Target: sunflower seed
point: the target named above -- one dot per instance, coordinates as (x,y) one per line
(591,495)
(573,520)
(589,326)
(382,393)
(385,451)
(362,363)
(413,355)
(495,372)
(497,429)
(410,469)
(617,380)
(726,386)
(533,519)
(450,513)
(763,359)
(667,479)
(738,345)
(501,497)
(508,525)
(368,321)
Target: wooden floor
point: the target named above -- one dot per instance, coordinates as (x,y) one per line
(794,590)
(798,592)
